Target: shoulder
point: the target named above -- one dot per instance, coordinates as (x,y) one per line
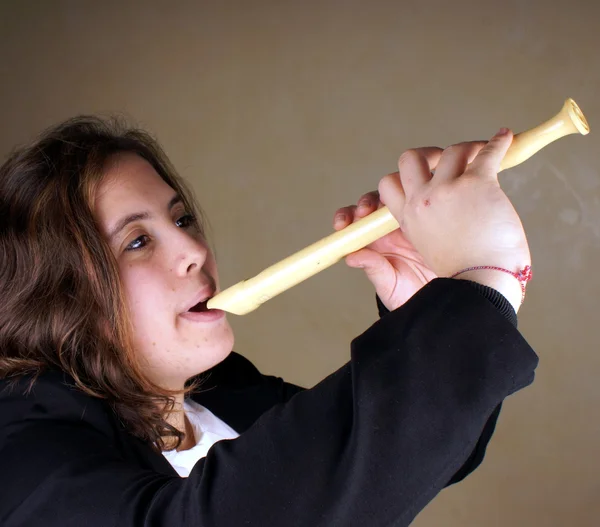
(51,396)
(238,393)
(237,373)
(234,371)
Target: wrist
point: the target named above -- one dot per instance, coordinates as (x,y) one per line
(508,283)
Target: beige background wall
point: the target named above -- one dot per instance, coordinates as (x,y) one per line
(282,111)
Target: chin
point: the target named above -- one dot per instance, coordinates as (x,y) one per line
(221,349)
(211,351)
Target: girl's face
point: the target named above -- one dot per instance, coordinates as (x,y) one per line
(165,267)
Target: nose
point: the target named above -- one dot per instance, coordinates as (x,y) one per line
(191,253)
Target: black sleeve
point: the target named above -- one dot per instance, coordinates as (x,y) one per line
(494,296)
(506,309)
(371,444)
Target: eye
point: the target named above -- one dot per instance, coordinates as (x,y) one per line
(134,245)
(186,221)
(189,220)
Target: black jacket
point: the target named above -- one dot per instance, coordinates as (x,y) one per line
(370,445)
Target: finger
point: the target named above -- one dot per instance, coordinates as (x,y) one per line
(455,159)
(415,167)
(375,266)
(343,217)
(392,194)
(367,203)
(393,175)
(488,160)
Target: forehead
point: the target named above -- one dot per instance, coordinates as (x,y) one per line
(128,175)
(129,184)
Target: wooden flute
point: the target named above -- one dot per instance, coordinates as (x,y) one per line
(247,295)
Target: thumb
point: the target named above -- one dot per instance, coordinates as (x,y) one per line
(378,269)
(489,158)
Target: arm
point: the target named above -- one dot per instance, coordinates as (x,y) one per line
(371,444)
(238,393)
(474,460)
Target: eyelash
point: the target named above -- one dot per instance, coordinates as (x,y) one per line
(191,222)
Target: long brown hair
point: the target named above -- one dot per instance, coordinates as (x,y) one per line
(62,305)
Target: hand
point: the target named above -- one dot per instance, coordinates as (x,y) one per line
(459,216)
(391,263)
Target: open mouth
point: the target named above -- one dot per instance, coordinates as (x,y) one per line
(201,314)
(200,307)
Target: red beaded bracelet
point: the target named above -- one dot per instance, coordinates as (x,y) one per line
(523,276)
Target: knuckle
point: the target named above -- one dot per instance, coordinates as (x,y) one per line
(387,182)
(457,150)
(487,149)
(408,156)
(484,160)
(453,149)
(388,178)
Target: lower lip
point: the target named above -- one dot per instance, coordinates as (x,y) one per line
(211,315)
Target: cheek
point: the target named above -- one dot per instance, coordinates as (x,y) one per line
(144,299)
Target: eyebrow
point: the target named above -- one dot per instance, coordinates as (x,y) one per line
(123,222)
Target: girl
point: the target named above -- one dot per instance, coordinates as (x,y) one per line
(122,403)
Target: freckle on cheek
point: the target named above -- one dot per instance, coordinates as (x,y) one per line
(427,202)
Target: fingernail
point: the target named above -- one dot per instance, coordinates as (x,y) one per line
(340,217)
(502,131)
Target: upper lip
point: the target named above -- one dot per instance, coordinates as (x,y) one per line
(204,294)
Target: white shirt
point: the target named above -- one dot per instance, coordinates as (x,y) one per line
(208,429)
